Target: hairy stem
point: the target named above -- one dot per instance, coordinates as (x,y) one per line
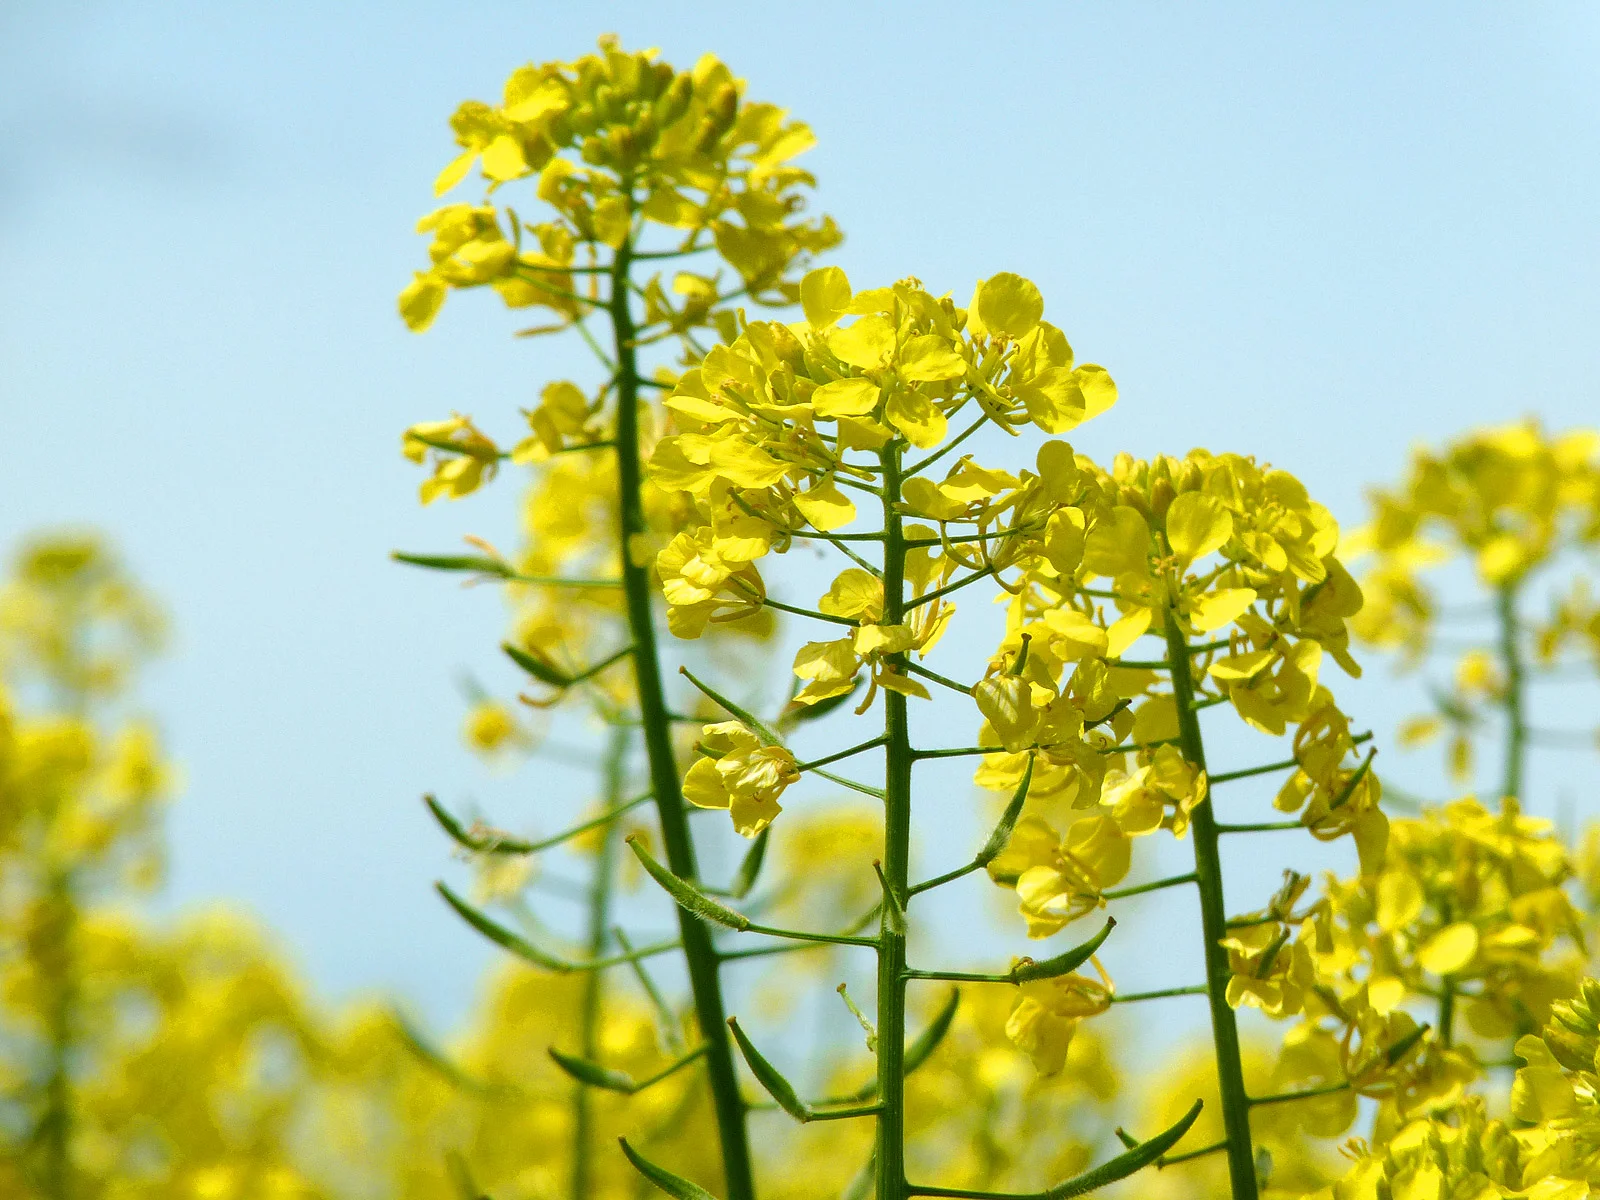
(594,983)
(699,952)
(1214,923)
(898,759)
(1511,663)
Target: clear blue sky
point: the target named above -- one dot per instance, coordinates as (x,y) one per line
(1321,234)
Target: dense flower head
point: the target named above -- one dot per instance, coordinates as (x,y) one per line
(778,431)
(611,140)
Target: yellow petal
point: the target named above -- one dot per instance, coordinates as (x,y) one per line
(865,344)
(1400,900)
(454,173)
(421,301)
(1241,668)
(904,684)
(825,506)
(703,786)
(1076,636)
(930,358)
(1385,994)
(845,398)
(854,593)
(1099,391)
(1005,702)
(1009,304)
(1128,629)
(1451,950)
(914,415)
(1197,524)
(1118,546)
(825,296)
(502,159)
(1220,608)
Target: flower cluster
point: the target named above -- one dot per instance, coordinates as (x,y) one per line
(773,429)
(1216,545)
(1514,502)
(612,139)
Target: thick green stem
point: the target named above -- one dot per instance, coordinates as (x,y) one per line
(898,759)
(1214,923)
(55,1122)
(599,917)
(699,952)
(1511,663)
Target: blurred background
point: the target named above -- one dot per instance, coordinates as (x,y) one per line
(1322,238)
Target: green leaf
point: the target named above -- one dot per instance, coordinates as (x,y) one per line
(1008,820)
(501,936)
(536,666)
(593,1074)
(481,563)
(690,898)
(750,868)
(1069,960)
(928,1040)
(1125,1164)
(779,1088)
(673,1185)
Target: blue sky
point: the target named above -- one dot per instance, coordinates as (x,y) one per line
(1318,234)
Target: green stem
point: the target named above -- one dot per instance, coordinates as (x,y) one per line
(1516,719)
(890,1165)
(1214,923)
(594,983)
(1139,889)
(699,952)
(55,1124)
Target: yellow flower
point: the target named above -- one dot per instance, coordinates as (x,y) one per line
(1047,1014)
(491,728)
(740,773)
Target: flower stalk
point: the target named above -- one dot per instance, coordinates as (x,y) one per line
(1214,928)
(700,953)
